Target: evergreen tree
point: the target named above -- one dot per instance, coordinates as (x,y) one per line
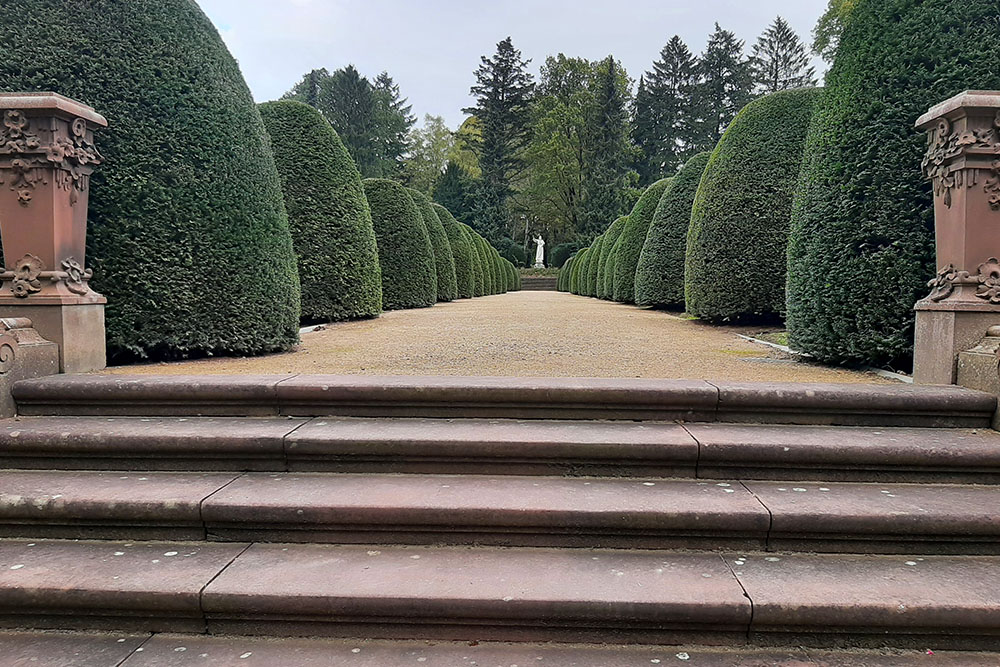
(726,86)
(428,153)
(830,26)
(643,135)
(607,152)
(310,89)
(348,103)
(392,120)
(454,190)
(666,129)
(503,92)
(780,59)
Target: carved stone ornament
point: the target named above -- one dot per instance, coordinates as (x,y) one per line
(76,276)
(26,276)
(986,280)
(31,159)
(948,145)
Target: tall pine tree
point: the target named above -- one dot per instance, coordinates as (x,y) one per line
(392,122)
(780,59)
(607,149)
(726,86)
(503,93)
(665,122)
(453,190)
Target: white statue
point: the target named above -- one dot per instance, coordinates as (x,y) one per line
(539,252)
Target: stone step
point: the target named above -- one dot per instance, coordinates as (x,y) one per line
(500,397)
(495,594)
(179,650)
(504,511)
(497,447)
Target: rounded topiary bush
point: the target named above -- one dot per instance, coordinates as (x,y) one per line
(736,262)
(605,277)
(188,235)
(659,277)
(461,250)
(592,269)
(633,236)
(476,254)
(861,246)
(444,260)
(409,278)
(328,215)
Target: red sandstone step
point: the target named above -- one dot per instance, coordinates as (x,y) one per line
(122,586)
(529,447)
(174,650)
(502,594)
(520,511)
(498,397)
(509,510)
(847,453)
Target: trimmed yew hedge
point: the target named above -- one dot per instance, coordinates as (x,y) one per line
(592,267)
(861,248)
(461,250)
(328,215)
(409,278)
(444,259)
(659,277)
(736,261)
(188,234)
(478,274)
(606,276)
(632,238)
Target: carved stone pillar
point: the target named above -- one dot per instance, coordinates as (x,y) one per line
(47,154)
(963,161)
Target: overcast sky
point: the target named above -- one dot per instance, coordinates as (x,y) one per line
(432,47)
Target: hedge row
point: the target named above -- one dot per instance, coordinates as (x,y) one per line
(736,262)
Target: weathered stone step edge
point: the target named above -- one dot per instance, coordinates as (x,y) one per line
(497,447)
(502,594)
(506,511)
(174,650)
(498,397)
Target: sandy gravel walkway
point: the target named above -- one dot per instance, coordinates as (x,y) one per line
(526,334)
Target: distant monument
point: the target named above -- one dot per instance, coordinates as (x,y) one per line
(539,252)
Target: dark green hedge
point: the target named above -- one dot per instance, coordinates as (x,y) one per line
(630,242)
(328,215)
(606,277)
(861,248)
(188,234)
(461,250)
(592,267)
(574,279)
(559,255)
(562,279)
(409,279)
(479,277)
(444,260)
(659,277)
(736,261)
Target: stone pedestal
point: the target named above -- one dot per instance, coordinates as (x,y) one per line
(23,355)
(47,154)
(963,161)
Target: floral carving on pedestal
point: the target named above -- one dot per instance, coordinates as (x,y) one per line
(989,281)
(948,145)
(943,285)
(76,276)
(986,281)
(26,276)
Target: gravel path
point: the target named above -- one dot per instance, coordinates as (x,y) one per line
(527,334)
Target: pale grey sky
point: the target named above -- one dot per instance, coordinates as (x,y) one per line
(432,47)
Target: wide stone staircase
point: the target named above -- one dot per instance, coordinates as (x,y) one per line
(320,520)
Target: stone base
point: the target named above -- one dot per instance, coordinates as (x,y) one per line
(539,265)
(944,331)
(78,330)
(23,355)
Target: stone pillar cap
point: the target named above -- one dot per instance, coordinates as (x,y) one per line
(53,102)
(970,99)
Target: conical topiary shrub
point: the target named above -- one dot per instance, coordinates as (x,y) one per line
(188,235)
(404,251)
(632,238)
(461,250)
(476,254)
(592,268)
(736,262)
(861,245)
(659,277)
(605,278)
(328,215)
(444,260)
